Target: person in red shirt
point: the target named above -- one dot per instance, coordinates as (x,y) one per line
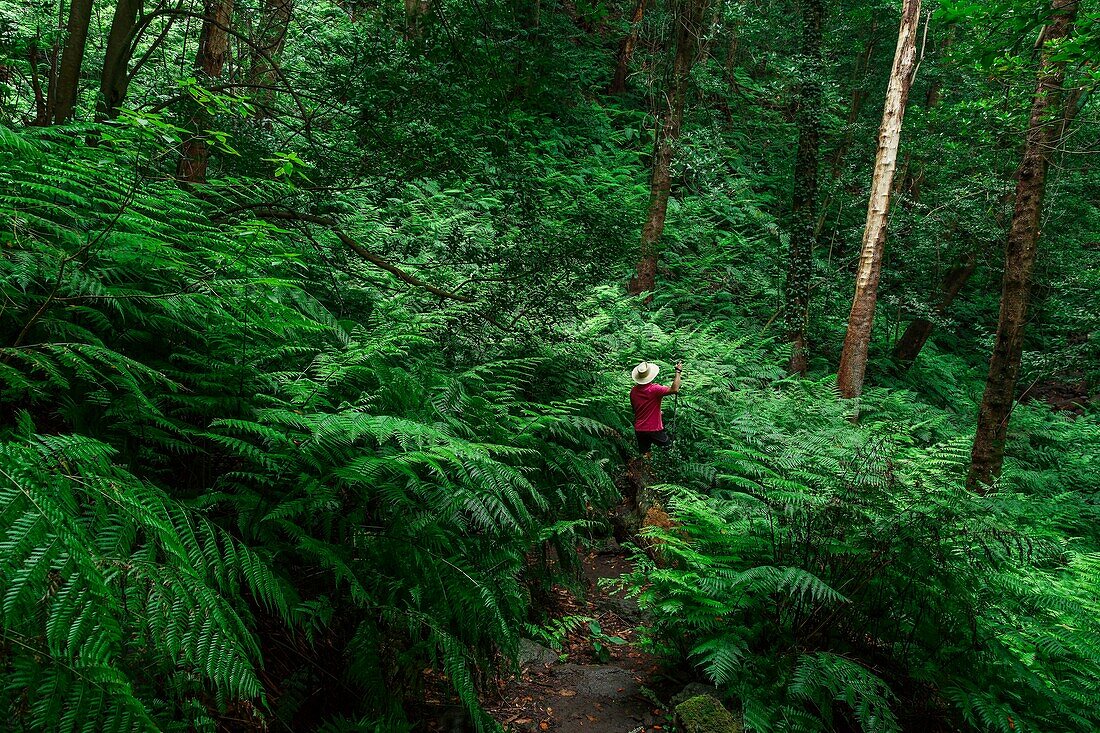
(645,398)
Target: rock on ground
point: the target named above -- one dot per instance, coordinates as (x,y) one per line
(705,714)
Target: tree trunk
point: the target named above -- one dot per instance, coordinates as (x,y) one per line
(1020,253)
(270,41)
(859,95)
(804,204)
(209,60)
(626,49)
(41,108)
(115,81)
(919,329)
(72,57)
(53,57)
(415,13)
(688,22)
(853,359)
(935,85)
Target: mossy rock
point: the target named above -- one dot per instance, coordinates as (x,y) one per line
(704,714)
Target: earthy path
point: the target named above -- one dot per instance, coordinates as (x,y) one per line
(619,694)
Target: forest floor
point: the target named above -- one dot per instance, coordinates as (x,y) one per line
(596,683)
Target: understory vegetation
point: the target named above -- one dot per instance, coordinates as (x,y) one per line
(289,437)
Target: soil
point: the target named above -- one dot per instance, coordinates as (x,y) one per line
(576,690)
(1071,397)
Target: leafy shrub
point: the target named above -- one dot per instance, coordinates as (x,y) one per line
(218,450)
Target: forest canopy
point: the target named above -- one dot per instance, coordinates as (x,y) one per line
(317,322)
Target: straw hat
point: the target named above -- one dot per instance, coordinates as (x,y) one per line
(645,372)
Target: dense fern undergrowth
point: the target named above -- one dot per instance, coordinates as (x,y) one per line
(249,479)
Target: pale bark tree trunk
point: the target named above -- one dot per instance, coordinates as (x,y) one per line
(919,329)
(209,61)
(853,359)
(804,203)
(115,80)
(1020,254)
(72,57)
(688,20)
(269,45)
(626,49)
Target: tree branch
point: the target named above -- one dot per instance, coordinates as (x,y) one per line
(360,250)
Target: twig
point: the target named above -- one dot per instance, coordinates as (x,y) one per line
(360,250)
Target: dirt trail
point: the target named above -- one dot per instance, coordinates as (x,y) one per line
(581,692)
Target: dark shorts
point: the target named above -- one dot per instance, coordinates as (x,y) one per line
(648,439)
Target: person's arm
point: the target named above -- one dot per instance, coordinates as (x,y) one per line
(676,381)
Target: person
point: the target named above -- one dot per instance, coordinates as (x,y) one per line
(645,398)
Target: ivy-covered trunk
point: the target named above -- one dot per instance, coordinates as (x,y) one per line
(804,205)
(853,359)
(1020,253)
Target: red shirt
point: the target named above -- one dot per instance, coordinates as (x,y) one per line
(646,401)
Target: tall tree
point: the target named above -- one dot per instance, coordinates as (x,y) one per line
(808,116)
(67,81)
(626,49)
(853,359)
(41,104)
(919,330)
(115,80)
(687,22)
(415,13)
(209,61)
(855,105)
(1020,253)
(269,41)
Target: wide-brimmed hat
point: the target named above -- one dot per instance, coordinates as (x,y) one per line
(645,372)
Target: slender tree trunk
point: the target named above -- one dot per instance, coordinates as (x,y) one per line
(688,22)
(804,204)
(853,359)
(53,56)
(41,108)
(72,57)
(919,329)
(209,61)
(935,87)
(859,94)
(271,39)
(1020,253)
(115,80)
(415,13)
(626,49)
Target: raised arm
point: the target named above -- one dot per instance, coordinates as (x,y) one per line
(676,381)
